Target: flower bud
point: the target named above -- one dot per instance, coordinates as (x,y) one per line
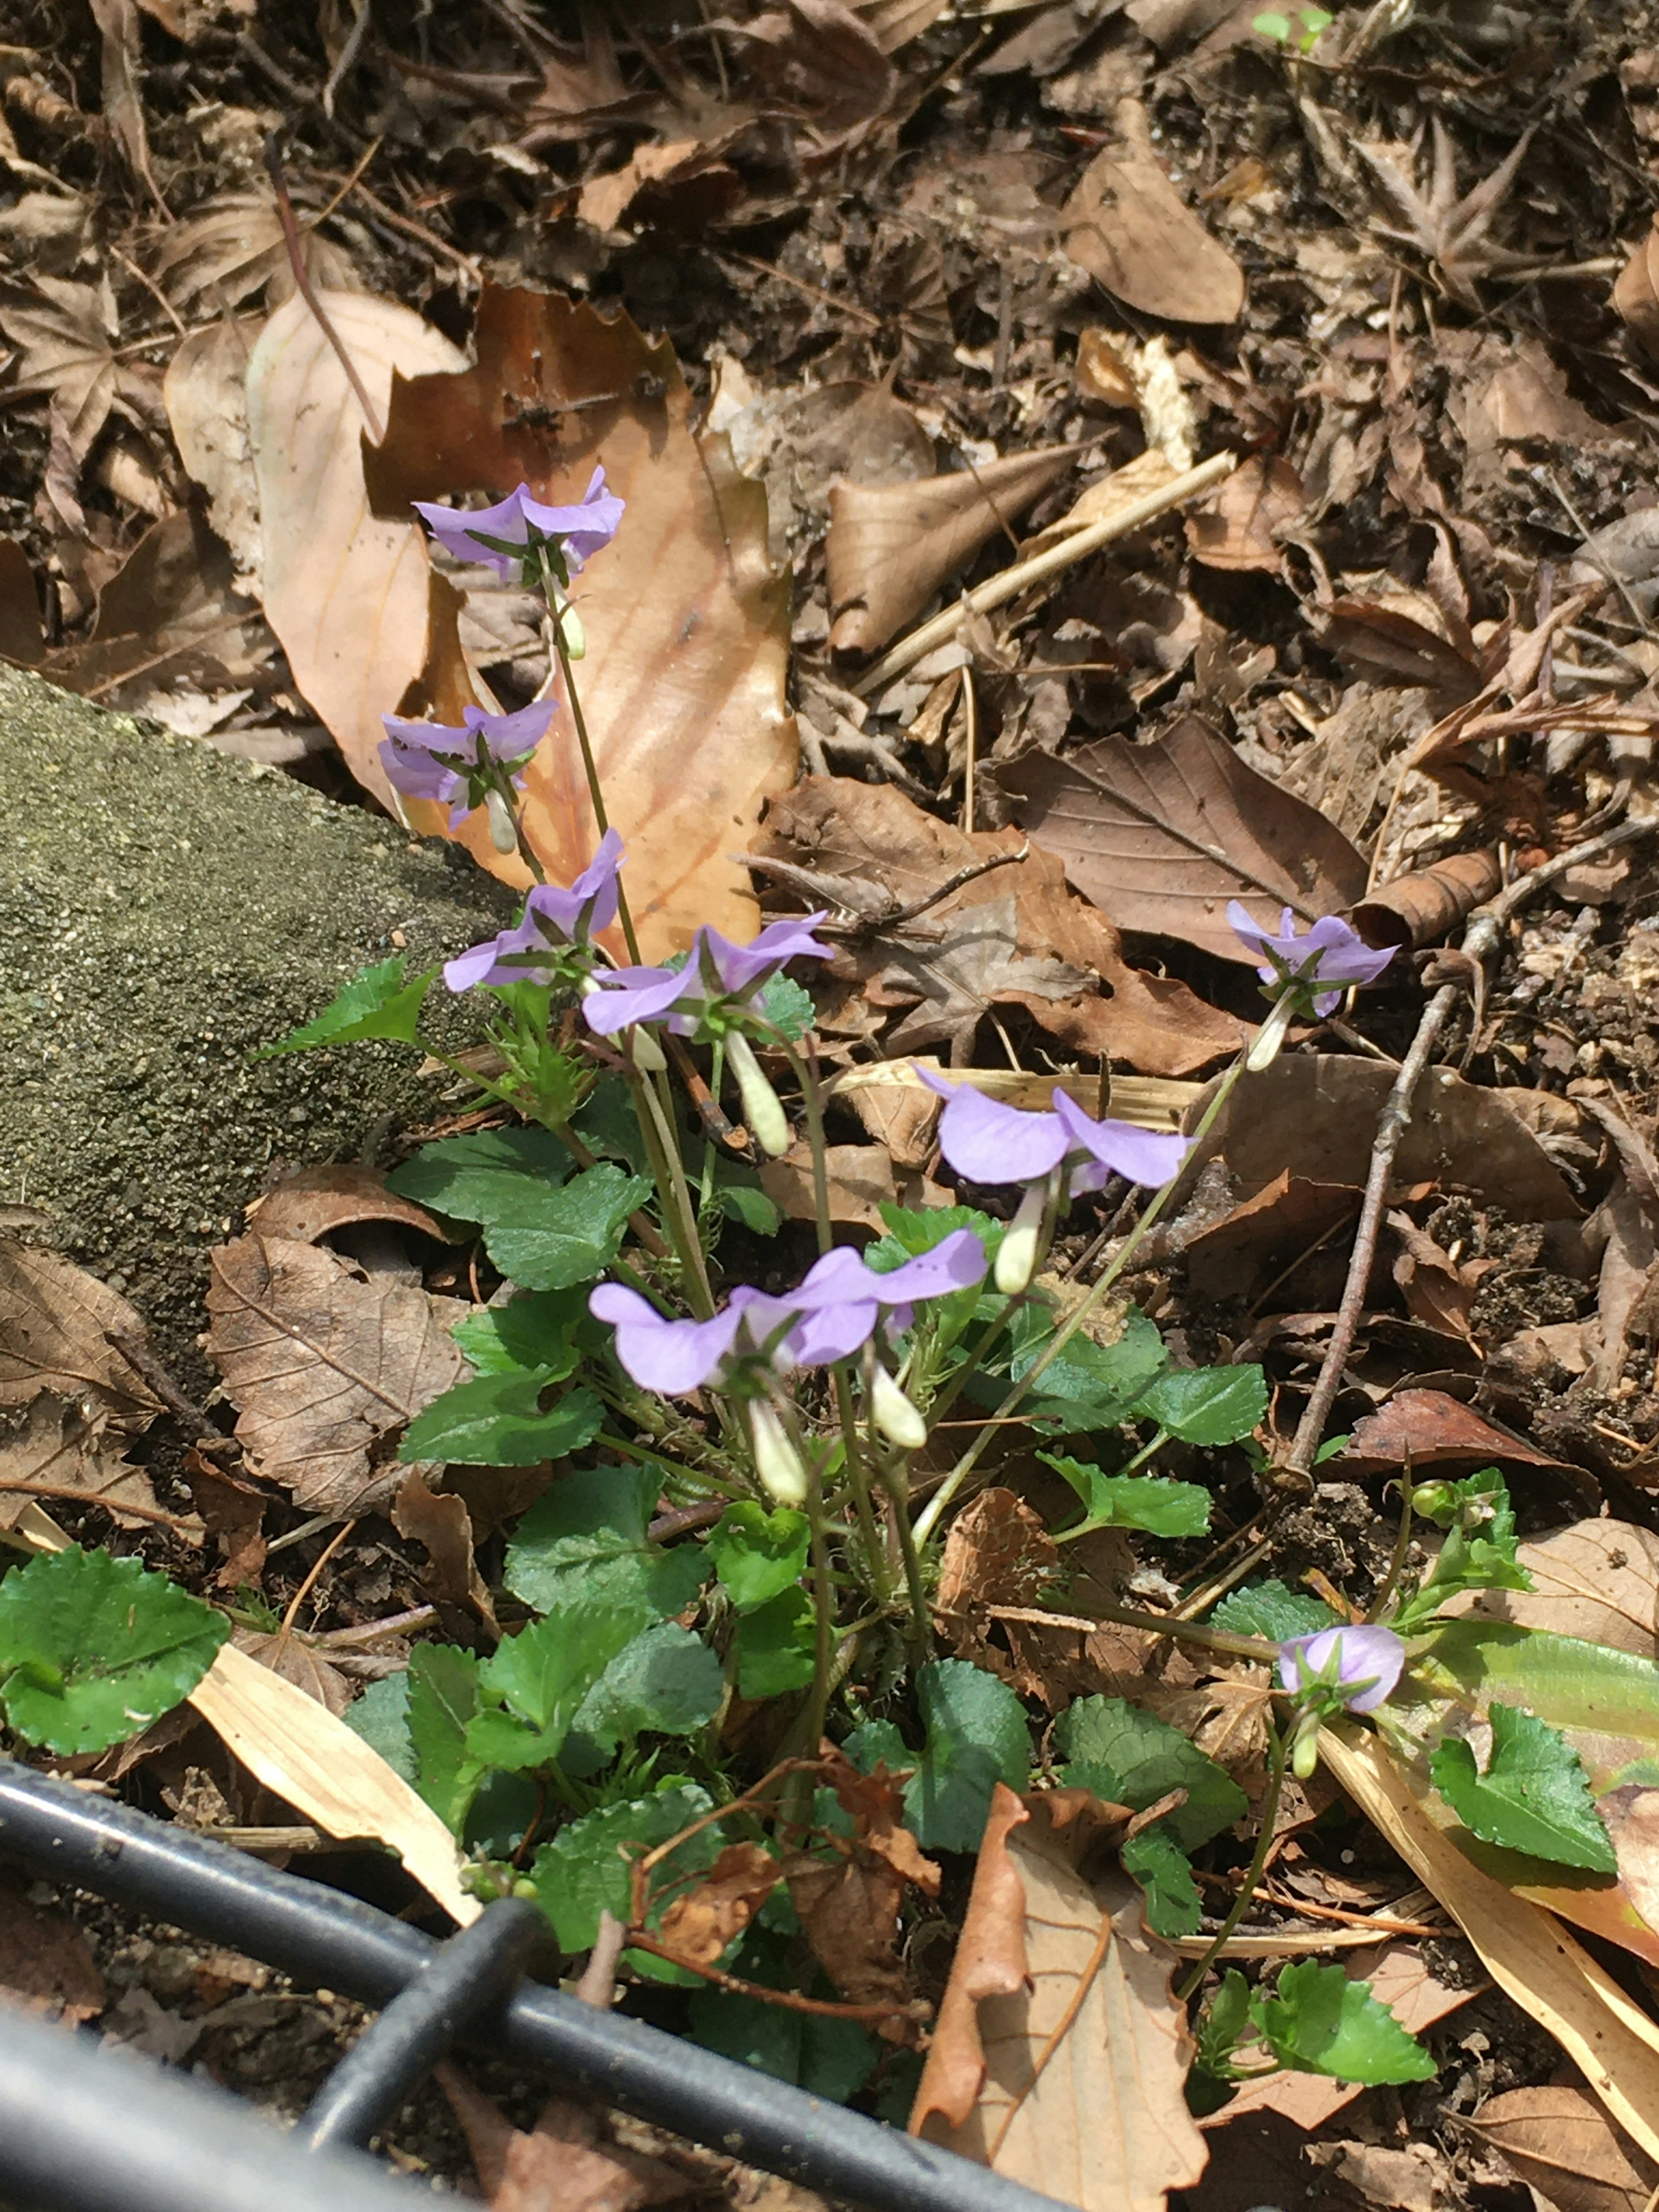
(1304,1754)
(1270,1037)
(502,836)
(767,1120)
(894,1414)
(645,1052)
(1017,1254)
(777,1463)
(571,630)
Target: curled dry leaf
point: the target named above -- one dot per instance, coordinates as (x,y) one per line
(1131,229)
(313,1202)
(1423,908)
(1238,529)
(1060,2055)
(861,1179)
(561,2165)
(344,590)
(893,545)
(1109,496)
(1160,836)
(325,1363)
(687,621)
(849,1908)
(299,1662)
(700,1923)
(1563,2146)
(440,1520)
(1635,293)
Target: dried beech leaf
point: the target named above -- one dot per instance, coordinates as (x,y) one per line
(205,393)
(55,1323)
(346,592)
(702,1921)
(1423,908)
(687,621)
(1085,2050)
(313,1202)
(1238,529)
(1635,293)
(324,1363)
(1148,472)
(1160,836)
(891,546)
(1131,229)
(1438,1430)
(1562,2145)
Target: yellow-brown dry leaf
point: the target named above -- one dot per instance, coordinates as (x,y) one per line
(1635,293)
(1131,229)
(56,1322)
(890,546)
(345,591)
(703,1921)
(1598,1580)
(687,621)
(1148,472)
(326,1770)
(1236,529)
(440,1520)
(1558,2141)
(1526,1950)
(1085,2052)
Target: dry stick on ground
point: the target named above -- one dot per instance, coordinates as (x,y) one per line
(1479,941)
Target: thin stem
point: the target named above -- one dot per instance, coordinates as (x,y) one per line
(596,795)
(921,1620)
(1276,1743)
(1401,1545)
(1155,1623)
(668,1173)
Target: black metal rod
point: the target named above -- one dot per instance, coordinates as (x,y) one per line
(83,2130)
(335,1942)
(468,1977)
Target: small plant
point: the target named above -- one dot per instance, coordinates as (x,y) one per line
(1300,31)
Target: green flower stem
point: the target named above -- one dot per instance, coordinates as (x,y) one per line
(1276,1746)
(596,795)
(934,1509)
(668,1173)
(897,1478)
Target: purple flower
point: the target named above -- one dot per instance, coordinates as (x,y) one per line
(1330,959)
(431,760)
(991,1143)
(716,984)
(508,534)
(672,1356)
(554,921)
(1360,1667)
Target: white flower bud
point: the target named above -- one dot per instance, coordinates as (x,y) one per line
(571,630)
(777,1463)
(1270,1036)
(502,834)
(645,1052)
(1017,1254)
(767,1120)
(894,1416)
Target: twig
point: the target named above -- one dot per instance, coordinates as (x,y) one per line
(1479,941)
(998,590)
(191,1419)
(308,290)
(598,1985)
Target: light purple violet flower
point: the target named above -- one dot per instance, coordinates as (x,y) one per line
(432,760)
(1359,1666)
(1331,957)
(714,986)
(554,921)
(991,1143)
(506,535)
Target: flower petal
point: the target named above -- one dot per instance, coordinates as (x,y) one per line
(991,1143)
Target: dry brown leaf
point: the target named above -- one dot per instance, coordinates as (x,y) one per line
(1238,529)
(296,1748)
(205,393)
(1635,293)
(1437,1430)
(1422,908)
(232,246)
(891,546)
(702,1921)
(1131,229)
(562,2165)
(1150,1101)
(22,638)
(68,333)
(894,23)
(324,1363)
(1147,473)
(296,1661)
(687,622)
(345,591)
(861,1181)
(45,1963)
(997,1552)
(55,1324)
(1560,2143)
(123,70)
(873,1802)
(1160,836)
(440,1520)
(312,1203)
(1081,2089)
(54,1447)
(1598,1580)
(848,1909)
(822,58)
(604,200)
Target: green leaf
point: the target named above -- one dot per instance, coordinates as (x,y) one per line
(443,1699)
(1534,1796)
(93,1649)
(1151,1501)
(758,1554)
(497,1420)
(584,1541)
(977,1735)
(481,1177)
(557,1237)
(540,1677)
(666,1681)
(1320,2023)
(1209,1406)
(910,1234)
(1276,27)
(537,1329)
(1090,1386)
(1158,1862)
(583,1872)
(747,1204)
(777,1646)
(826,2058)
(1222,2026)
(1129,1757)
(1478,1552)
(608,1126)
(789,1009)
(1271,1609)
(375,1003)
(381,1716)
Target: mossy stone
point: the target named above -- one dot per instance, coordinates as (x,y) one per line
(165,911)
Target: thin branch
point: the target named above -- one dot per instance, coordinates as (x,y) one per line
(308,290)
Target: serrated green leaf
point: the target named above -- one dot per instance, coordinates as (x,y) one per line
(584,1540)
(531,1688)
(1534,1796)
(1481,1556)
(1150,1501)
(555,1238)
(480,1177)
(665,1682)
(1271,1609)
(497,1420)
(910,1233)
(1089,1386)
(375,1003)
(582,1872)
(757,1554)
(536,1330)
(443,1699)
(1320,2023)
(1206,1405)
(1157,1862)
(93,1649)
(1224,2022)
(1130,1757)
(783,1003)
(777,1646)
(977,1736)
(381,1716)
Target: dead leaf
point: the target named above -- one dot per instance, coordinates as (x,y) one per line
(205,393)
(997,1552)
(1597,1580)
(891,546)
(859,1179)
(562,2165)
(1635,293)
(1437,1431)
(1131,229)
(849,1908)
(45,1963)
(123,107)
(233,1511)
(55,1323)
(67,334)
(702,1921)
(604,200)
(1451,231)
(232,246)
(298,1661)
(346,592)
(1424,907)
(1160,836)
(1070,2077)
(1238,529)
(324,1363)
(1107,495)
(54,1448)
(312,1203)
(1250,1245)
(687,621)
(823,59)
(873,1802)
(1561,2144)
(440,1520)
